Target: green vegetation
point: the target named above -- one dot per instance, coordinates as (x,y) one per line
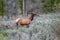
(29,12)
(3,35)
(2,6)
(20,4)
(52,5)
(49,6)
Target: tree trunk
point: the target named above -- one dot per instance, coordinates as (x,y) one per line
(24,8)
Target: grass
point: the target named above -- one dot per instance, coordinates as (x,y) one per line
(3,35)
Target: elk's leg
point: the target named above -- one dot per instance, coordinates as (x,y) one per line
(18,25)
(27,25)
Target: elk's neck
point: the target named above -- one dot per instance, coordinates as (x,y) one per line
(32,17)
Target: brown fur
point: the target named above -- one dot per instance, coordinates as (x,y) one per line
(25,21)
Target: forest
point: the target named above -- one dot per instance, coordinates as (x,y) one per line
(49,5)
(29,19)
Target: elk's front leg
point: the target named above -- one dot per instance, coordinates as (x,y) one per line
(18,25)
(27,25)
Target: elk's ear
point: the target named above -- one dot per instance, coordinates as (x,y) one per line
(33,12)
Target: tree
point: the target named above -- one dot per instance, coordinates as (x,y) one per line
(24,8)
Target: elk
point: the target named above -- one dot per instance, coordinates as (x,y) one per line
(25,21)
